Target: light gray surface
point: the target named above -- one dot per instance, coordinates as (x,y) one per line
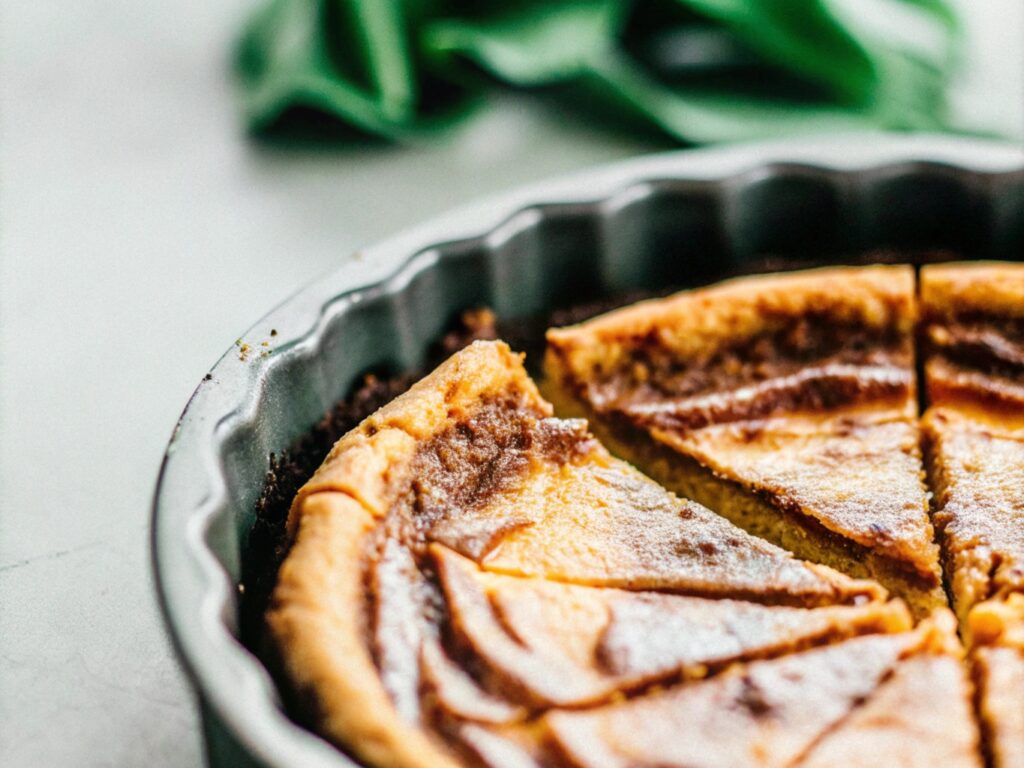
(139,234)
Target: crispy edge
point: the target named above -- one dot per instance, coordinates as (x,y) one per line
(317,609)
(694,321)
(990,287)
(317,619)
(369,461)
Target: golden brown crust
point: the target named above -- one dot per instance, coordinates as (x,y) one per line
(999,622)
(369,462)
(832,472)
(999,675)
(692,322)
(317,618)
(791,531)
(950,291)
(973,338)
(551,644)
(976,474)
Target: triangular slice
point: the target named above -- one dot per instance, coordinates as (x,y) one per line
(828,706)
(786,403)
(997,631)
(973,331)
(471,458)
(543,643)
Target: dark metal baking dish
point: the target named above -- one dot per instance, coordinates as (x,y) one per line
(673,219)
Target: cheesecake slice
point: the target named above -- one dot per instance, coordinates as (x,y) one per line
(786,403)
(464,563)
(973,342)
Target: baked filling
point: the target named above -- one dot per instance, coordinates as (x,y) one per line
(473,581)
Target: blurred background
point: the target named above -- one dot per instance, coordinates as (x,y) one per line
(168,172)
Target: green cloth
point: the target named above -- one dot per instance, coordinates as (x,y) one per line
(699,71)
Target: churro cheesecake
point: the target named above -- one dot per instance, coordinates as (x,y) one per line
(473,581)
(719,533)
(786,403)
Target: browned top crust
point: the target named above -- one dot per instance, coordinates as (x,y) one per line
(470,458)
(800,387)
(692,322)
(372,462)
(463,563)
(545,644)
(899,721)
(974,289)
(749,348)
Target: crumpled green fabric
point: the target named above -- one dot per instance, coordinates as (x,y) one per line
(699,71)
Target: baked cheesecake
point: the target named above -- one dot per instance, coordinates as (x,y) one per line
(786,403)
(468,574)
(972,336)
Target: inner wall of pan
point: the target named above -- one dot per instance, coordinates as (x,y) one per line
(653,236)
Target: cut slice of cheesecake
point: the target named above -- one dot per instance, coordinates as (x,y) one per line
(858,702)
(997,633)
(973,340)
(785,403)
(386,617)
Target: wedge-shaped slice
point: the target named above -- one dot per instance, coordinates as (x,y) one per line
(786,403)
(997,630)
(973,330)
(470,458)
(825,705)
(544,643)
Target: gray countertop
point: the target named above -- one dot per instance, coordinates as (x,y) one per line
(139,234)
